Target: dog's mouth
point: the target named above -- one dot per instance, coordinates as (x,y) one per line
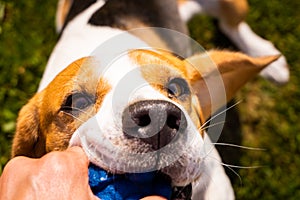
(106,185)
(119,185)
(112,174)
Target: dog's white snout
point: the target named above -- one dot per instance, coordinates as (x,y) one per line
(155,122)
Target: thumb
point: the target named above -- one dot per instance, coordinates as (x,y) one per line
(78,153)
(154,198)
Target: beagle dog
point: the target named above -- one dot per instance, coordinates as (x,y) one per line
(134,98)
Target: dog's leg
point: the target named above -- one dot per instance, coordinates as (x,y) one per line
(231,15)
(187,9)
(246,40)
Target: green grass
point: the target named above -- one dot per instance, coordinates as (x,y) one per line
(269,114)
(27,37)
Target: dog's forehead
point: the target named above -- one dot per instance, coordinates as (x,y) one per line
(151,66)
(163,61)
(133,69)
(136,75)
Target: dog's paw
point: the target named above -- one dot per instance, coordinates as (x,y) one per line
(277,72)
(252,44)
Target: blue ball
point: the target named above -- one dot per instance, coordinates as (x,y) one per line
(130,186)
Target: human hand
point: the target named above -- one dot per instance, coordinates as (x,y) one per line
(57,175)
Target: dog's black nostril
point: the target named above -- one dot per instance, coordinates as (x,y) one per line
(173,122)
(154,122)
(143,120)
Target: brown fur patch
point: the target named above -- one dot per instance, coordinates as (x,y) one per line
(42,124)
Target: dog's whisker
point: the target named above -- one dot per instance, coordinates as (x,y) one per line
(211,125)
(236,166)
(239,146)
(77,118)
(241,167)
(83,111)
(220,113)
(207,154)
(77,109)
(228,167)
(237,174)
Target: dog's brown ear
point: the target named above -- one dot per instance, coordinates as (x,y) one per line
(218,75)
(28,140)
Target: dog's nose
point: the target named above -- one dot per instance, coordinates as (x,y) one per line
(155,122)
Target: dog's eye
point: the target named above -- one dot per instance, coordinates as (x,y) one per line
(77,102)
(177,87)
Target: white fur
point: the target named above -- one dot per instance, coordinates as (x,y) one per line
(79,39)
(215,184)
(188,9)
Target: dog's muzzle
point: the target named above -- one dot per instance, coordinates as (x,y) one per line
(155,122)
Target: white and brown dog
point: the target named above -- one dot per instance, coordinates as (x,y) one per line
(131,103)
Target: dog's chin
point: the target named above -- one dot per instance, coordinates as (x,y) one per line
(182,171)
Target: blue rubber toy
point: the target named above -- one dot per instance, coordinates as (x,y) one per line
(131,186)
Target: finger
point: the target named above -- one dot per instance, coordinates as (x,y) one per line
(72,159)
(79,153)
(154,198)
